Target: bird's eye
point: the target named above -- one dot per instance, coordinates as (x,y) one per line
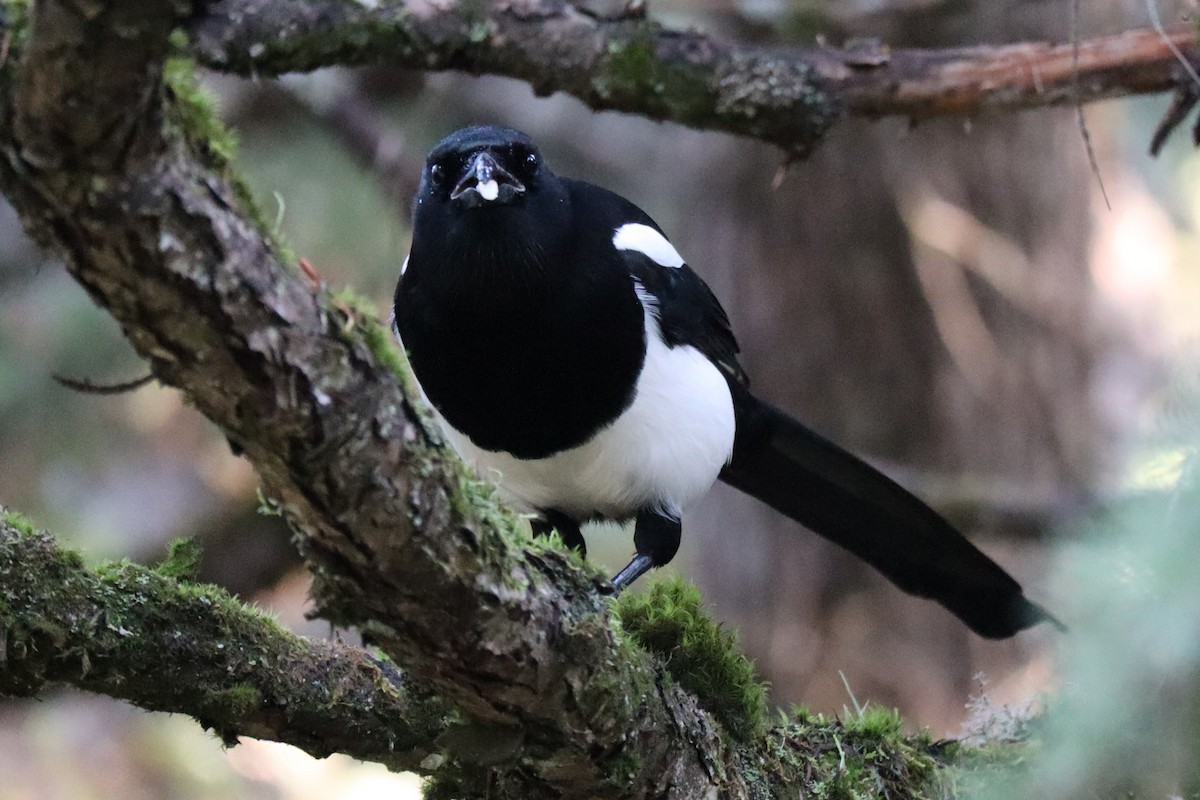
(531,162)
(437,173)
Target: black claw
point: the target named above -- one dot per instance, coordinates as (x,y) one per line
(640,565)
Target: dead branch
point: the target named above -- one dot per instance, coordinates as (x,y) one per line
(929,83)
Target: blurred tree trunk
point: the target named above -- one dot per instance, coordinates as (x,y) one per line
(901,354)
(904,353)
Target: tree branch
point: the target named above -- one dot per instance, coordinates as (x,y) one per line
(787,96)
(623,63)
(930,83)
(140,635)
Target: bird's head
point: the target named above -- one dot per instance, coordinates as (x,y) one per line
(482,167)
(488,199)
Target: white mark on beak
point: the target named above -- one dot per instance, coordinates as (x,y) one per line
(489,190)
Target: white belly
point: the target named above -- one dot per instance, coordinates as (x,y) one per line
(664,451)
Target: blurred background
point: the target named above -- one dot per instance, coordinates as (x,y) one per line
(957,302)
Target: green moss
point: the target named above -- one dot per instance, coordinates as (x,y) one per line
(978,771)
(226,607)
(552,543)
(754,93)
(14,23)
(876,721)
(183,560)
(384,346)
(192,112)
(634,73)
(361,317)
(631,63)
(865,756)
(227,707)
(238,700)
(194,109)
(16,519)
(269,506)
(131,632)
(477,500)
(701,655)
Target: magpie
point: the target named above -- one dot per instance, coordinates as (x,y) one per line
(573,356)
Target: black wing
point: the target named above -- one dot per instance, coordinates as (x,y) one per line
(688,312)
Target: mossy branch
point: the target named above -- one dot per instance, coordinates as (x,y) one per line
(166,644)
(619,60)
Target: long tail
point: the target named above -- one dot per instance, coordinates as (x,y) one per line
(784,464)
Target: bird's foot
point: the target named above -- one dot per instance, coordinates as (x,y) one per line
(640,565)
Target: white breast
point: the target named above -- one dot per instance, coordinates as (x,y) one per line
(664,451)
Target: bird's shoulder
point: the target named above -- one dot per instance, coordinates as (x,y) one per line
(687,311)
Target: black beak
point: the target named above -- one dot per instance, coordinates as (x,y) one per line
(485,181)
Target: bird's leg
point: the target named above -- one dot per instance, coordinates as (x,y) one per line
(551,520)
(656,539)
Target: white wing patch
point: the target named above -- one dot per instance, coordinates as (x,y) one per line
(647,241)
(404,269)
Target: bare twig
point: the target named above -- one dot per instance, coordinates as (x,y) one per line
(86,386)
(1084,132)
